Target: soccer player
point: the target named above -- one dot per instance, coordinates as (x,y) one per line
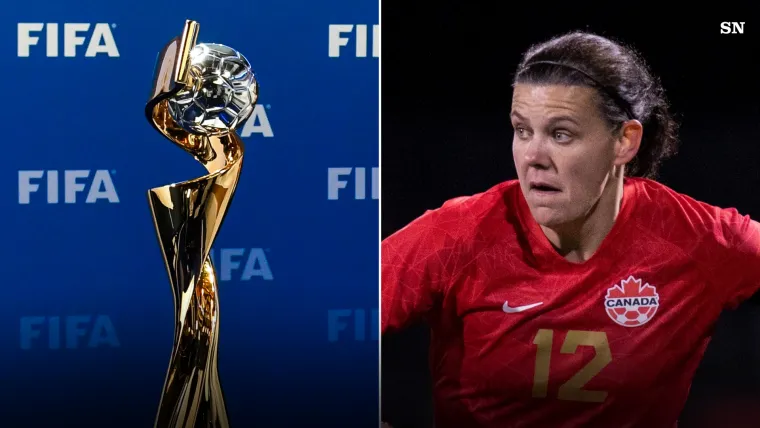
(582,294)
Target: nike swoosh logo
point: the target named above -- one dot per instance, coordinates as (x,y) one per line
(510,310)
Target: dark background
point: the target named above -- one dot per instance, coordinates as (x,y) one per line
(446,94)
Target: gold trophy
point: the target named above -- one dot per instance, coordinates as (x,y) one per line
(201,93)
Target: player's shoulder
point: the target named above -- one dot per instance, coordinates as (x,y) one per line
(664,209)
(481,203)
(661,197)
(471,211)
(462,216)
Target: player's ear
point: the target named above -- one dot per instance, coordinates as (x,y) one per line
(628,142)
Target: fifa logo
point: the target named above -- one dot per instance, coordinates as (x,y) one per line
(361,188)
(258,123)
(99,187)
(69,332)
(352,324)
(341,34)
(245,263)
(99,42)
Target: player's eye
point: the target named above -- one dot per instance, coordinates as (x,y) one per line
(562,136)
(521,132)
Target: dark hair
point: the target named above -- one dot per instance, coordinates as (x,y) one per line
(626,88)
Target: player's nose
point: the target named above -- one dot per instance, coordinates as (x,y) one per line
(536,154)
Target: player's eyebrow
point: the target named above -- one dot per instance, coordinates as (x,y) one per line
(554,119)
(517,115)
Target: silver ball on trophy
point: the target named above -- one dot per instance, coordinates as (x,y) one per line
(221,93)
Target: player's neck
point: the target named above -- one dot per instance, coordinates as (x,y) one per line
(579,240)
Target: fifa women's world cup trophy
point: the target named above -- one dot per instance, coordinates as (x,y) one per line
(201,93)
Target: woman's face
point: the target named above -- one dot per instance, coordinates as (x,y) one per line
(564,150)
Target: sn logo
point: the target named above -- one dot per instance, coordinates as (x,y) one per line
(101,41)
(258,123)
(732,28)
(253,263)
(336,39)
(99,187)
(71,332)
(335,183)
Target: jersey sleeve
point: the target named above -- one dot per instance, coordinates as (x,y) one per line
(414,270)
(737,260)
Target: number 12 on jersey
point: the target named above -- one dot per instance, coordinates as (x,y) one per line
(572,389)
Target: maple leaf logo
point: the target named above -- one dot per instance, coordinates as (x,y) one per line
(631,287)
(631,303)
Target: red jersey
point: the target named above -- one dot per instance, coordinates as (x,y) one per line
(520,336)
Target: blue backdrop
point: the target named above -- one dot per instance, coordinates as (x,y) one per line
(86,327)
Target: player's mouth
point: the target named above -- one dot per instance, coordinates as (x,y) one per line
(543,188)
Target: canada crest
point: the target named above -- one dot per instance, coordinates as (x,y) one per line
(631,303)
